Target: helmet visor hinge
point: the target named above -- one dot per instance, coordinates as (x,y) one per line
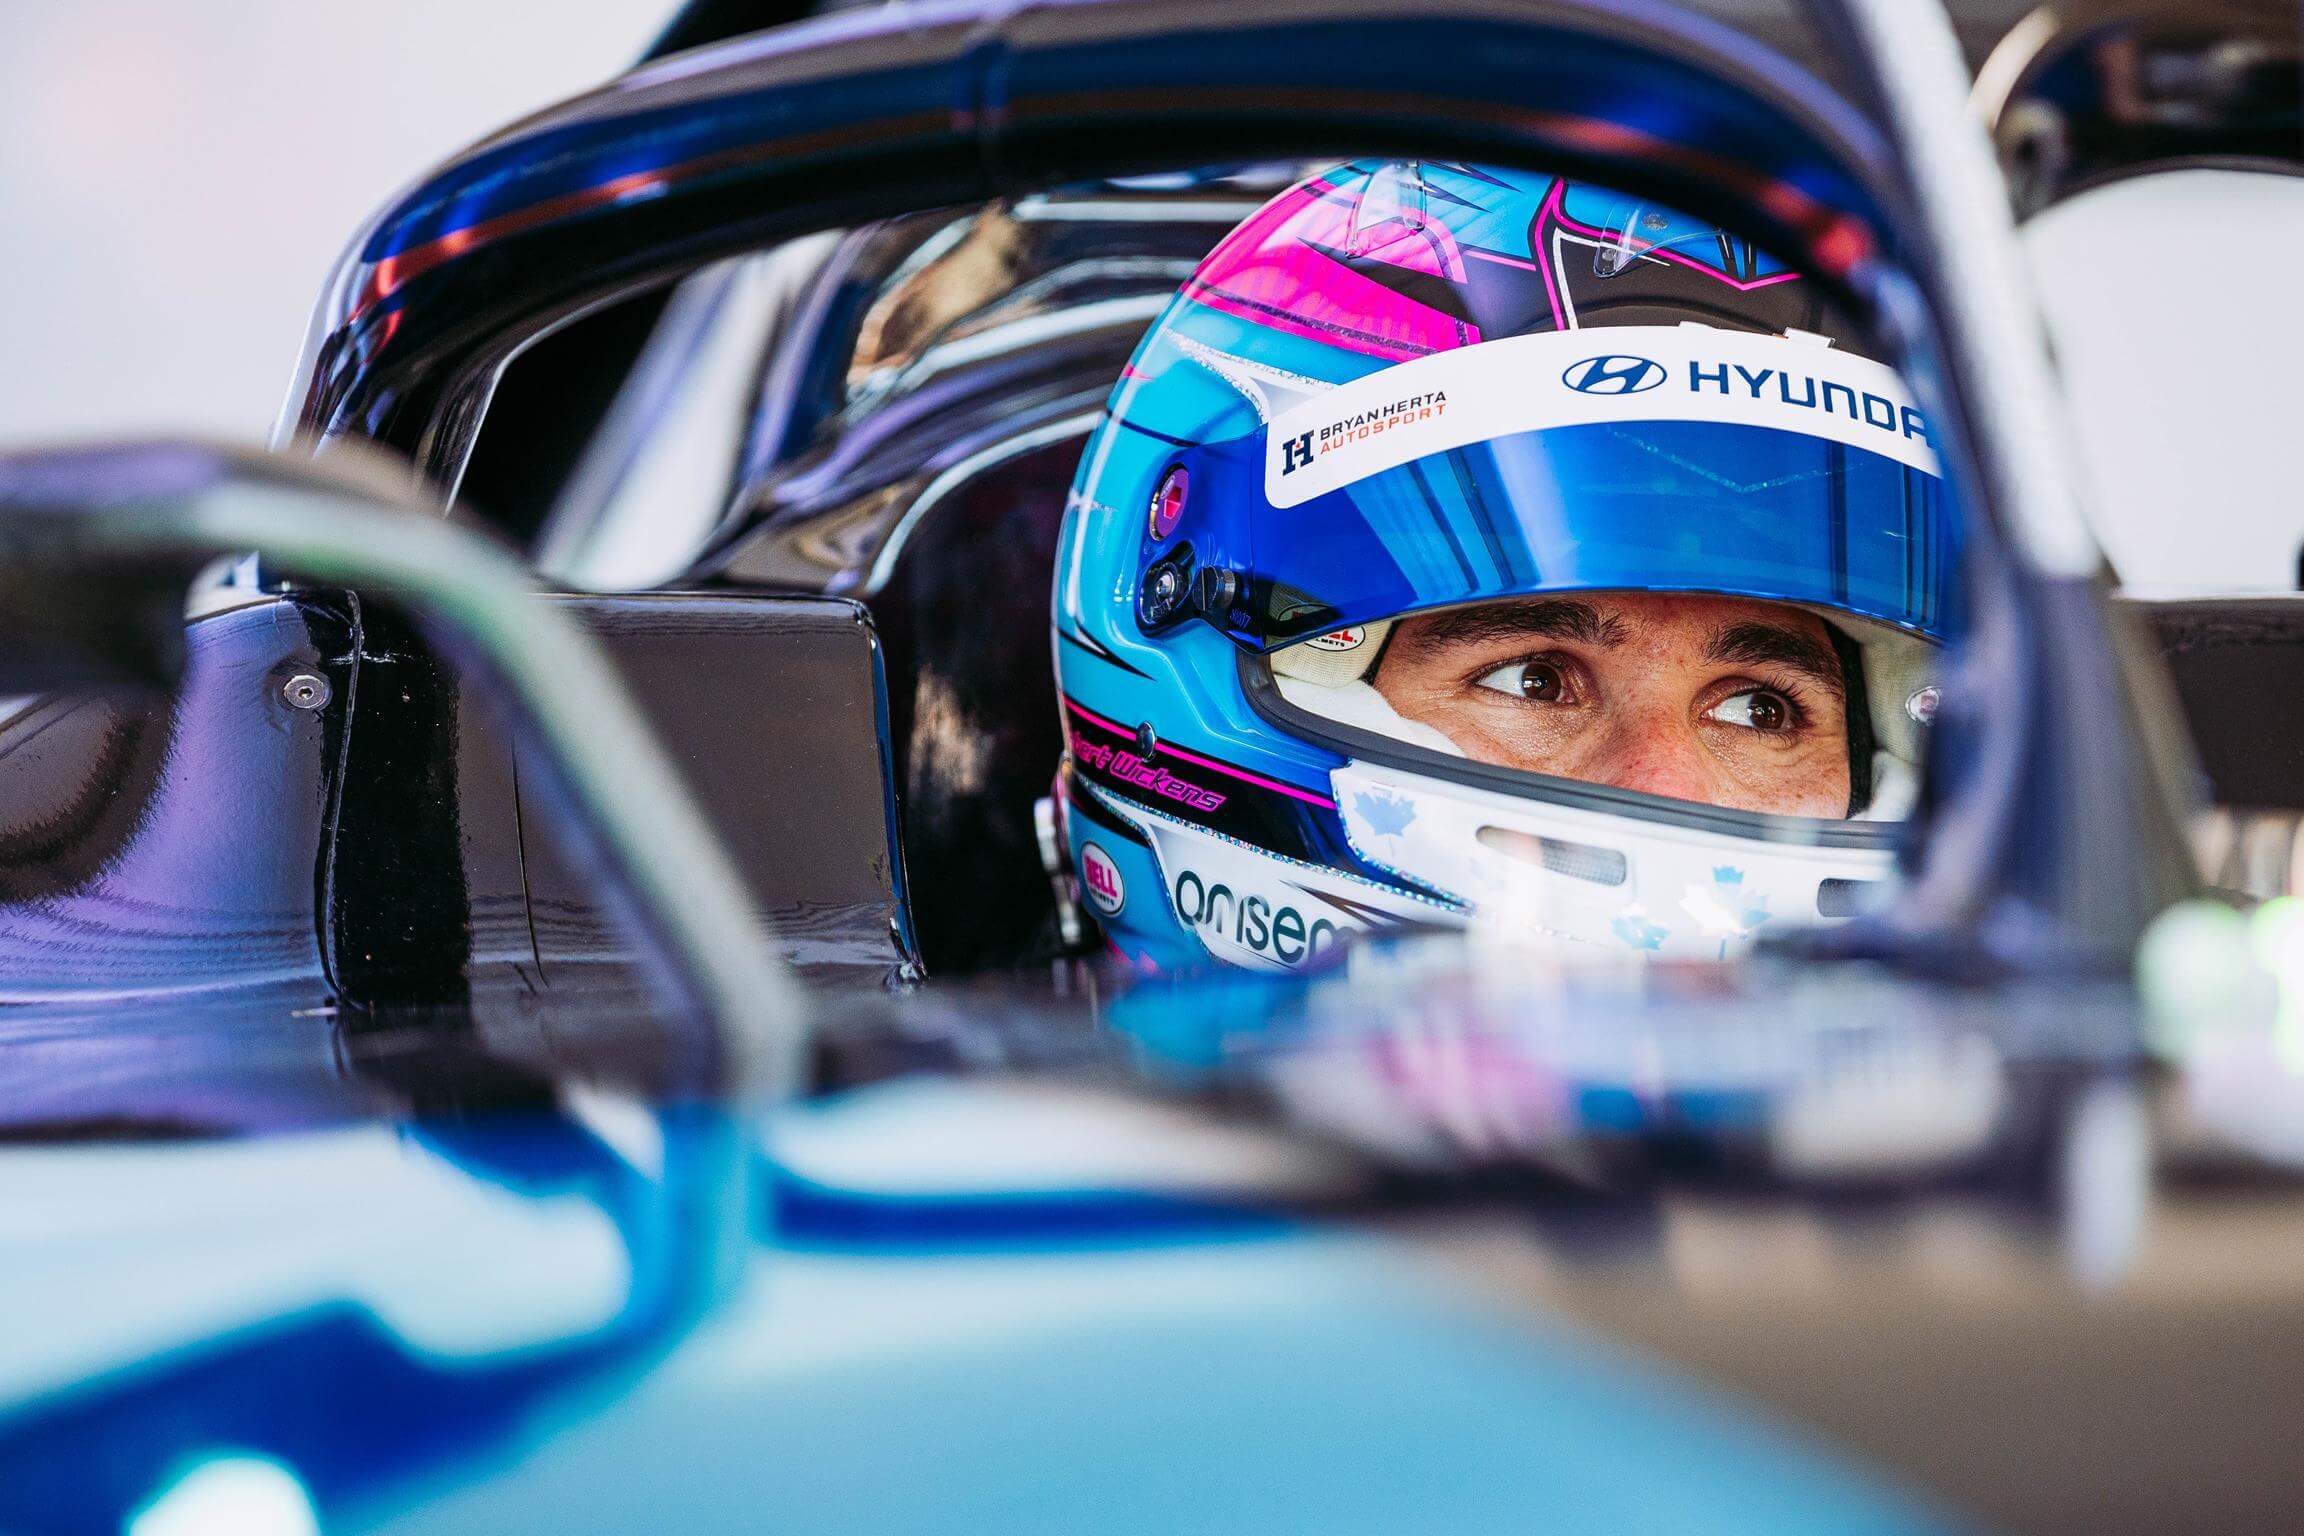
(1176,588)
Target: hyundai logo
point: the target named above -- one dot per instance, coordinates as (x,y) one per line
(1613,375)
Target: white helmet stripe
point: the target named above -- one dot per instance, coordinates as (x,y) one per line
(1468,395)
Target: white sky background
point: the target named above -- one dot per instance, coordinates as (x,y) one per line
(2178,316)
(177,177)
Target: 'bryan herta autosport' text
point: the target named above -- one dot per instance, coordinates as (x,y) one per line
(1300,450)
(1128,768)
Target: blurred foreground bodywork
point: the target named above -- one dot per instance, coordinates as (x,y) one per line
(1428,1244)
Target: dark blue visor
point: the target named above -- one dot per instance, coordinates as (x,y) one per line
(1678,506)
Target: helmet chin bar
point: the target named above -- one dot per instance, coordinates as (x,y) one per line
(1541,870)
(1521,858)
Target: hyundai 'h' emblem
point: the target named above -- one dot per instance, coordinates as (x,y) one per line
(1613,374)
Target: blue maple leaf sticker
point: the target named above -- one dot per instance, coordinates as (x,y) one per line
(1386,815)
(1724,907)
(1635,929)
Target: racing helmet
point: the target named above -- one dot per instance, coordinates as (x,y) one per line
(1412,409)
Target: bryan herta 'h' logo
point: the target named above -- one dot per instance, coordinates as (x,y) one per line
(1614,374)
(1297,452)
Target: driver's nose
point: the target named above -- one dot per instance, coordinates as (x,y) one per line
(1657,756)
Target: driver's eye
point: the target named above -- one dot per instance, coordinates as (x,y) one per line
(1758,709)
(1541,681)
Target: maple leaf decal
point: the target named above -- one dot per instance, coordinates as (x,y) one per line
(1387,815)
(1725,907)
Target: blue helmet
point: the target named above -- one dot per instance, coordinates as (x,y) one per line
(1376,401)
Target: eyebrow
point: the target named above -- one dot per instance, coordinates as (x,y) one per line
(1552,619)
(1752,643)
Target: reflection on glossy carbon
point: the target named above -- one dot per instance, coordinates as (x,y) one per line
(775,707)
(151,842)
(914,449)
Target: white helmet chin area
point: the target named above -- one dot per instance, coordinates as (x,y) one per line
(1642,884)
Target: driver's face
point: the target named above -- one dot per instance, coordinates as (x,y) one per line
(1722,700)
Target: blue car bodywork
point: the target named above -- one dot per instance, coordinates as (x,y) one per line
(369,1310)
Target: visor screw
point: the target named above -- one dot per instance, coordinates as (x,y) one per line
(1164,592)
(306,691)
(1922,705)
(1147,741)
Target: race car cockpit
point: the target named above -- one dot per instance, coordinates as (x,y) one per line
(1078,671)
(907,432)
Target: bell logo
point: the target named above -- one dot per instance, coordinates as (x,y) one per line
(1100,878)
(1296,453)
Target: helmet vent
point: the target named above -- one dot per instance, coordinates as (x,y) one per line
(1391,206)
(1845,898)
(1578,861)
